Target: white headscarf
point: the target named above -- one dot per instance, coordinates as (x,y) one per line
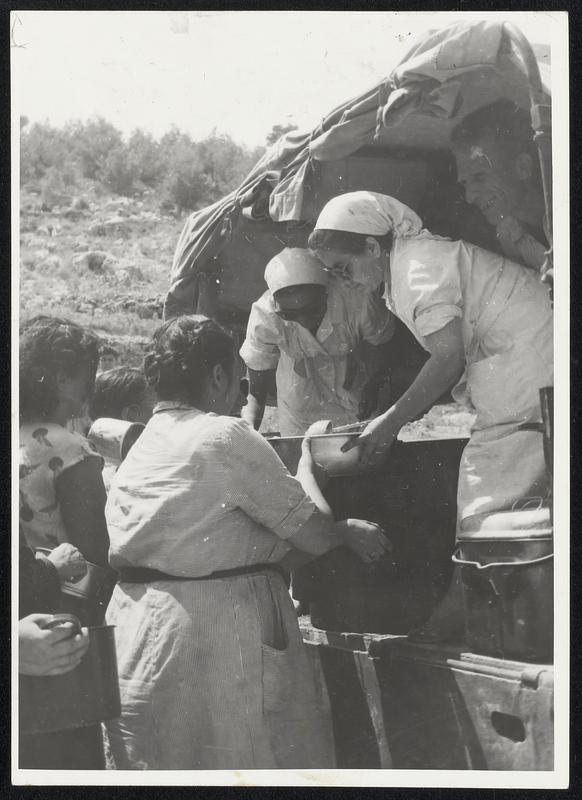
(294,266)
(369,213)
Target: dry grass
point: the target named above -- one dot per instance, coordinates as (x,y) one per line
(122,300)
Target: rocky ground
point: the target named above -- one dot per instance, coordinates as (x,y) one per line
(100,260)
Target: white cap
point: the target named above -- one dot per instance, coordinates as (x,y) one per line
(294,266)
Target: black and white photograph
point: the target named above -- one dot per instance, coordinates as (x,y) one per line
(293,479)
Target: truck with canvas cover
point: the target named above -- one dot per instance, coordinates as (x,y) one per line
(395,139)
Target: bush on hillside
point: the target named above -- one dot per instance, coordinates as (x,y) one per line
(92,142)
(53,188)
(119,172)
(146,157)
(186,174)
(42,148)
(185,184)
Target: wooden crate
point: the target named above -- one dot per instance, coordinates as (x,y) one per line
(408,706)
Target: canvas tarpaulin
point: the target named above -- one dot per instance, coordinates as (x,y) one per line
(443,77)
(273,189)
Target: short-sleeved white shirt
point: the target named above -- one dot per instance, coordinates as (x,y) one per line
(505,313)
(434,280)
(199,493)
(312,370)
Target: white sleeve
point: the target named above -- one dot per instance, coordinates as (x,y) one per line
(430,283)
(261,485)
(260,349)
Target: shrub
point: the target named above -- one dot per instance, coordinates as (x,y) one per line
(185,185)
(187,175)
(146,158)
(200,173)
(42,147)
(92,142)
(118,172)
(52,188)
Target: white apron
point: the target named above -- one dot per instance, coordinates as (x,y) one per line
(507,326)
(501,464)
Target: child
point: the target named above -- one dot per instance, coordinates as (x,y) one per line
(120,394)
(108,357)
(62,498)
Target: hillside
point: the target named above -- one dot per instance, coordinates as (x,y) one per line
(101,260)
(101,213)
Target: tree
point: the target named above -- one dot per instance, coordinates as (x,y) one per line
(188,174)
(118,172)
(186,183)
(42,147)
(199,173)
(146,157)
(92,142)
(277,131)
(225,163)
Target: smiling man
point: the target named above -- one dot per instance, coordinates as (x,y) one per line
(318,342)
(498,167)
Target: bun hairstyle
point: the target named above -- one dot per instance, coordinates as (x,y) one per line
(50,346)
(183,352)
(345,241)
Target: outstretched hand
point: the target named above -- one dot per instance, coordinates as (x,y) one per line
(366,539)
(375,440)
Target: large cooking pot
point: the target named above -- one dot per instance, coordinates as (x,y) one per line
(412,495)
(84,696)
(506,562)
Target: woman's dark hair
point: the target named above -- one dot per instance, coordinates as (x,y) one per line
(345,242)
(117,389)
(49,346)
(182,355)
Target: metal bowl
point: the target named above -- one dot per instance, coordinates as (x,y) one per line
(327,454)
